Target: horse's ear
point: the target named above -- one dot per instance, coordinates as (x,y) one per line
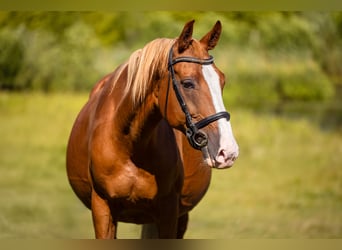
(211,38)
(185,37)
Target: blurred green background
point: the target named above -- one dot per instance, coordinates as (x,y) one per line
(284,90)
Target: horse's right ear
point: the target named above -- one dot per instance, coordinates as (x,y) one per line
(185,37)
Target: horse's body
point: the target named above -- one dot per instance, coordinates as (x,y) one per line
(128,158)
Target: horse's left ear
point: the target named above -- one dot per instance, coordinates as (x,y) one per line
(211,38)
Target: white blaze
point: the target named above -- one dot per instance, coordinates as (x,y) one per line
(227,140)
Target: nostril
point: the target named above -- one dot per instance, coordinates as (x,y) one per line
(221,156)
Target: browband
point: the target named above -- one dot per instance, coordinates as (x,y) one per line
(208,61)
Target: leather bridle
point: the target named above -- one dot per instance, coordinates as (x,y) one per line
(197,138)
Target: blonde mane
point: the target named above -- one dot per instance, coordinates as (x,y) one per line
(143,65)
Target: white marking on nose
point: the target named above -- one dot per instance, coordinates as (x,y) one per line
(228,148)
(213,80)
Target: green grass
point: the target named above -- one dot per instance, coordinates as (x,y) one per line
(287,182)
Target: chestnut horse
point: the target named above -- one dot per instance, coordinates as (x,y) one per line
(142,148)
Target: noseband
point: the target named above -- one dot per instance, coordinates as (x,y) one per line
(197,138)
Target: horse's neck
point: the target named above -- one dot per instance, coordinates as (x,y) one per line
(136,123)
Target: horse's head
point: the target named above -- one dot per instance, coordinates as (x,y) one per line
(193,100)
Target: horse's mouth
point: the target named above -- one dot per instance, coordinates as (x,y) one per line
(228,164)
(211,162)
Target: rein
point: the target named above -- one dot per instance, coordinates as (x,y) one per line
(197,138)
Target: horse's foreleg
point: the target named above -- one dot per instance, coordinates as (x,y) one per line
(168,216)
(149,231)
(104,226)
(182,225)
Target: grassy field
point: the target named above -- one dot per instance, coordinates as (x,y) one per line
(287,182)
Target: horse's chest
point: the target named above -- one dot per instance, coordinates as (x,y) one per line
(140,185)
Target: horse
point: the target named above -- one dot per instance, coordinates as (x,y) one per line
(142,151)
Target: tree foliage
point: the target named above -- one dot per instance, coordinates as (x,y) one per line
(61,51)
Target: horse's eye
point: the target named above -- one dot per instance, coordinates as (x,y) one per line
(188,84)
